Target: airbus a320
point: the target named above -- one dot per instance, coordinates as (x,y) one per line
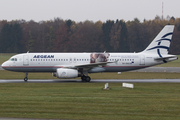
(72,65)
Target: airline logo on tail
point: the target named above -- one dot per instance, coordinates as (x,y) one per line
(159,46)
(163,38)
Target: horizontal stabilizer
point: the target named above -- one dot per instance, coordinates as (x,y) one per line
(165,58)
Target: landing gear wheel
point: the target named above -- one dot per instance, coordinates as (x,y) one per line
(83,78)
(88,79)
(25,79)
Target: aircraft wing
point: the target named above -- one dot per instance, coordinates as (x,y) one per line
(88,66)
(91,65)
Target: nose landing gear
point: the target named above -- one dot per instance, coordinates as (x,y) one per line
(26,77)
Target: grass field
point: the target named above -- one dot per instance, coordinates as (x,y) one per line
(88,101)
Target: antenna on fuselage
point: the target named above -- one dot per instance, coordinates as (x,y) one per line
(27,51)
(104,51)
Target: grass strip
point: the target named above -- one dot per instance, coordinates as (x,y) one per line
(147,101)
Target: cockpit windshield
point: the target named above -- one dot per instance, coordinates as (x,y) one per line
(13,59)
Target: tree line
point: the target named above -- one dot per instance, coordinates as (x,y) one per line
(60,35)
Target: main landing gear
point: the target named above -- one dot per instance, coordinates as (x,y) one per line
(26,77)
(85,78)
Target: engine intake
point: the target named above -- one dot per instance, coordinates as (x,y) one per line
(66,73)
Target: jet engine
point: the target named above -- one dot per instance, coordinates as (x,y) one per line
(66,73)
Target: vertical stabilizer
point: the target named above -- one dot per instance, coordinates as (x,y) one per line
(161,43)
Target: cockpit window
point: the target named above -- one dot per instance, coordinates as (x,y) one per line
(13,59)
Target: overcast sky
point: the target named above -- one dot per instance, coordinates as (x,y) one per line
(81,10)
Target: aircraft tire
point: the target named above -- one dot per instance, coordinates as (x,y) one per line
(88,79)
(83,78)
(25,79)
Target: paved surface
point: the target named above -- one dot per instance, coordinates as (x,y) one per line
(95,81)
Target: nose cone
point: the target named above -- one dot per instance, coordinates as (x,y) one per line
(4,65)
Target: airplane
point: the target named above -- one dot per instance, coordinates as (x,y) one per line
(73,65)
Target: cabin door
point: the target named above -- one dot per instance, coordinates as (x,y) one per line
(142,60)
(26,60)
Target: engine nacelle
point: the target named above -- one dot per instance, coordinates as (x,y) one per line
(66,73)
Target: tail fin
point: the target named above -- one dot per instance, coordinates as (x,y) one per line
(161,43)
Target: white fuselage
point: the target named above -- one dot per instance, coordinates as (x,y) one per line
(50,62)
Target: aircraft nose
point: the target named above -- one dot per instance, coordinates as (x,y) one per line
(4,65)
